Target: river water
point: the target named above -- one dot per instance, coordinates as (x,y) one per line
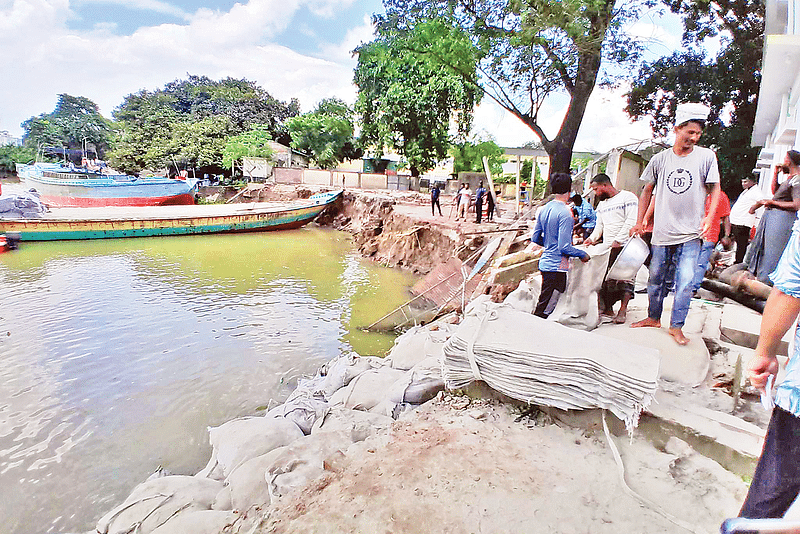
(116,355)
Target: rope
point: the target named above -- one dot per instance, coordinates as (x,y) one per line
(645,501)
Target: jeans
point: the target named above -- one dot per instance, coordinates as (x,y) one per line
(684,256)
(554,283)
(776,481)
(702,264)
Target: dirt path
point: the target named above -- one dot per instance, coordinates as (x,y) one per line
(461,467)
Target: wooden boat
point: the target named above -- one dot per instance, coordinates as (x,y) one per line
(115,222)
(79,187)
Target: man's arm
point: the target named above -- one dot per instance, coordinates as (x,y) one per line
(779,314)
(644,203)
(726,226)
(565,240)
(538,234)
(597,233)
(711,217)
(631,210)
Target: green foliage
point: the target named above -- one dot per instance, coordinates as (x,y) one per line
(75,119)
(530,49)
(10,155)
(252,143)
(468,157)
(153,122)
(326,133)
(729,81)
(407,99)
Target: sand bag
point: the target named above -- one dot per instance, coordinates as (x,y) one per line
(415,388)
(359,425)
(246,486)
(302,408)
(153,503)
(578,305)
(409,348)
(239,440)
(368,389)
(524,298)
(203,522)
(303,461)
(340,371)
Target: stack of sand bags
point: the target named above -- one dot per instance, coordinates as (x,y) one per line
(548,364)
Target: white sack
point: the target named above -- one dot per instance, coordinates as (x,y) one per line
(237,441)
(340,371)
(203,522)
(246,486)
(303,461)
(302,408)
(409,348)
(524,298)
(357,424)
(415,388)
(155,501)
(578,305)
(367,389)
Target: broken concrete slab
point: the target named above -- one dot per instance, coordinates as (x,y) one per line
(734,443)
(741,326)
(687,364)
(513,273)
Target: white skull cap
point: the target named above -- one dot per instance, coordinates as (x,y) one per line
(691,111)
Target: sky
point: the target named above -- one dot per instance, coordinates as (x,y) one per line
(107,49)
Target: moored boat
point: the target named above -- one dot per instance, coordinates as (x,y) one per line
(69,186)
(117,222)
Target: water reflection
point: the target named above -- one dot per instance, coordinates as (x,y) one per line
(118,354)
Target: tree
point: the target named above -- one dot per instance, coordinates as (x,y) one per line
(468,157)
(529,50)
(252,143)
(152,122)
(407,101)
(10,155)
(729,82)
(75,120)
(326,133)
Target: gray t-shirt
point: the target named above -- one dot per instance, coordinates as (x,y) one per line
(680,193)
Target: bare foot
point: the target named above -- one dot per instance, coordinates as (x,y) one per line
(621,316)
(677,334)
(647,322)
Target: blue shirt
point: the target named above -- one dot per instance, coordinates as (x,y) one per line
(586,215)
(553,231)
(479,194)
(786,278)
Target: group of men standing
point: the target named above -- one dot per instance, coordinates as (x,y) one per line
(462,202)
(683,202)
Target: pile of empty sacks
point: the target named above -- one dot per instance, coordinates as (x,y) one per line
(257,460)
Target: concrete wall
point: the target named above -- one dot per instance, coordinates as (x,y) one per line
(628,176)
(285,175)
(317,177)
(373,181)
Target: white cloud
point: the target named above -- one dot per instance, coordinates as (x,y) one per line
(44,58)
(343,51)
(605,125)
(144,5)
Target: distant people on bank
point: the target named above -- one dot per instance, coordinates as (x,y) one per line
(742,221)
(678,176)
(720,221)
(480,193)
(553,231)
(490,206)
(616,216)
(464,198)
(585,219)
(435,193)
(775,226)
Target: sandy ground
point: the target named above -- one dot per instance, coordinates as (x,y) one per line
(460,466)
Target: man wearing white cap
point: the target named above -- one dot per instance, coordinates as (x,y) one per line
(678,177)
